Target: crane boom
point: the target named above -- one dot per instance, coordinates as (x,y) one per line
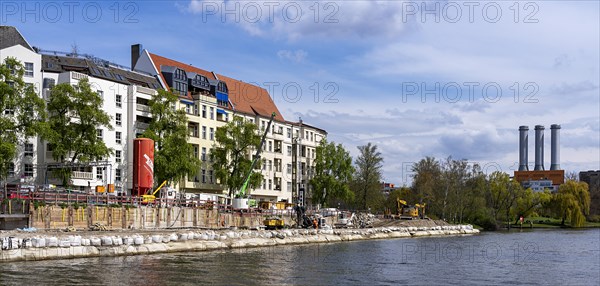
(242,191)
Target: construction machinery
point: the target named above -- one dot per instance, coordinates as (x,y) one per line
(405,211)
(241,201)
(274,222)
(151,197)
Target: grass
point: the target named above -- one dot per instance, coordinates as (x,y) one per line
(546,222)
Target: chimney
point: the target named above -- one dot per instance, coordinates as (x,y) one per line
(555,148)
(523,146)
(539,148)
(136,51)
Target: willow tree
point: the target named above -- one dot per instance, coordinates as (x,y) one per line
(173,156)
(75,115)
(573,200)
(22,112)
(333,173)
(231,155)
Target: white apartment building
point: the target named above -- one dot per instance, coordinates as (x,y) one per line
(25,168)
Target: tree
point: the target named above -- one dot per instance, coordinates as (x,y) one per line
(173,156)
(573,200)
(503,194)
(368,177)
(425,181)
(231,155)
(75,115)
(22,112)
(333,173)
(529,202)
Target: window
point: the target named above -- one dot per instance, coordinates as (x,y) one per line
(289,133)
(188,109)
(289,150)
(270,165)
(270,184)
(117,175)
(28,170)
(270,146)
(28,149)
(289,168)
(118,119)
(212,113)
(264,186)
(195,147)
(212,134)
(195,109)
(203,132)
(118,100)
(100,93)
(99,134)
(100,173)
(11,169)
(289,186)
(193,130)
(203,153)
(203,176)
(28,69)
(211,176)
(204,111)
(118,156)
(118,137)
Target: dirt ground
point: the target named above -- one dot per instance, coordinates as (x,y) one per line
(408,223)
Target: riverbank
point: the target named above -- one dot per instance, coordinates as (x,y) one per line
(23,246)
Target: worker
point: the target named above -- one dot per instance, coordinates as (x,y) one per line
(315,224)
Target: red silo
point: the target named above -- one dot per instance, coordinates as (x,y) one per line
(143,166)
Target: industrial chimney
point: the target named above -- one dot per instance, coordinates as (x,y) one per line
(523,143)
(555,148)
(539,148)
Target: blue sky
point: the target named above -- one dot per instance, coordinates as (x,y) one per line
(415,78)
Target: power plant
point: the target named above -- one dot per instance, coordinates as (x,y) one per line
(540,178)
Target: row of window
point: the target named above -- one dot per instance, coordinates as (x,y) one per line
(204,177)
(193,131)
(118,136)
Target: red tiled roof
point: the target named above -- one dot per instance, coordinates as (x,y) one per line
(246,98)
(251,99)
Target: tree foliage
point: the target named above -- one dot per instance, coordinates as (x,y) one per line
(232,155)
(173,156)
(367,178)
(22,111)
(573,201)
(75,115)
(333,173)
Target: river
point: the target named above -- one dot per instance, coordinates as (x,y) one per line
(555,257)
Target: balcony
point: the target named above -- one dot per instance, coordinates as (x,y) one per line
(142,125)
(142,107)
(82,175)
(145,90)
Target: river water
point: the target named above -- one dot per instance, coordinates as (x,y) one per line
(546,257)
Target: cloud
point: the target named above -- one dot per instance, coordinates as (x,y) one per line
(575,88)
(296,20)
(297,56)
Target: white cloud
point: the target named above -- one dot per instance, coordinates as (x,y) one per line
(297,56)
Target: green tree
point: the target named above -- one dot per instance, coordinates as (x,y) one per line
(173,156)
(573,200)
(503,194)
(75,115)
(529,202)
(333,173)
(368,178)
(426,180)
(231,155)
(22,112)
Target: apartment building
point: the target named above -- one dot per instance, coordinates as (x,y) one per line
(209,99)
(284,175)
(25,168)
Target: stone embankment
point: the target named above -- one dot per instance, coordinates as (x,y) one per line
(20,246)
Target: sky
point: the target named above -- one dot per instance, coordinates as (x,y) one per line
(415,78)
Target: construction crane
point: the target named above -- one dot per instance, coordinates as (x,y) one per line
(151,197)
(242,191)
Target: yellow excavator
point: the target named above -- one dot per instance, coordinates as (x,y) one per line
(150,198)
(405,211)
